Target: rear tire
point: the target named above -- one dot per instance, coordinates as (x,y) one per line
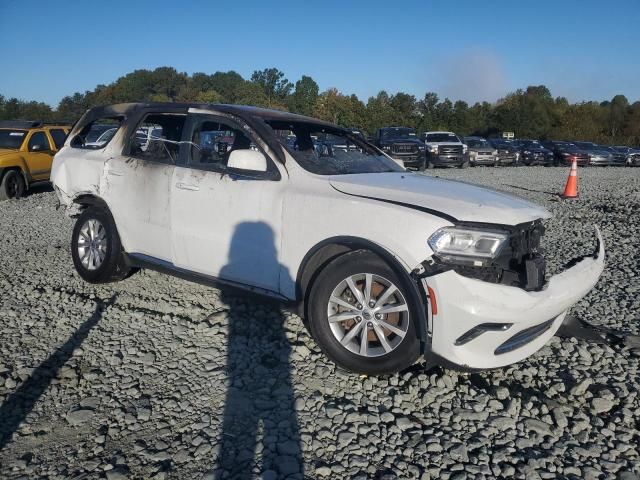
(96,249)
(354,342)
(12,185)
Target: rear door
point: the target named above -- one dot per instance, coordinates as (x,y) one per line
(225,222)
(138,183)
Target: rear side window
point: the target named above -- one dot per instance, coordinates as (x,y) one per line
(59,136)
(39,142)
(97,134)
(157,138)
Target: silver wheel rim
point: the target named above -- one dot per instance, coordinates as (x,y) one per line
(368,315)
(92,244)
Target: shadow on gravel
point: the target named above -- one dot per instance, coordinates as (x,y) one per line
(39,187)
(259,413)
(17,406)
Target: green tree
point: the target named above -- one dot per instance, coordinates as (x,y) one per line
(274,85)
(304,96)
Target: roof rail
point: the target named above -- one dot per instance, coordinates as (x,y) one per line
(20,123)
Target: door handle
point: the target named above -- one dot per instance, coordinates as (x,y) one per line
(186,186)
(115,173)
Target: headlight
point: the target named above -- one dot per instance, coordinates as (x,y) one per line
(386,147)
(433,148)
(452,242)
(495,152)
(464,149)
(527,152)
(421,147)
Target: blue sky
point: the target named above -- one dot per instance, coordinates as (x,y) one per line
(465,50)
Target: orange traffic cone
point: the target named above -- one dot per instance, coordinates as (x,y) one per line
(571,188)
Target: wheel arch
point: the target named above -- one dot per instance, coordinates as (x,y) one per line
(326,251)
(86,200)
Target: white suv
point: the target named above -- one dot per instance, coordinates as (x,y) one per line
(385,265)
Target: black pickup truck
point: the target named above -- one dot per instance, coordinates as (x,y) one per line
(402,144)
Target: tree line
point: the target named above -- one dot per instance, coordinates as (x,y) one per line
(530,113)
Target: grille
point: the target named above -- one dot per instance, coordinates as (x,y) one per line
(404,148)
(449,149)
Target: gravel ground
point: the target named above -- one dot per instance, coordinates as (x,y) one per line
(154,377)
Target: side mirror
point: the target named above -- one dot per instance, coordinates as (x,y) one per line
(37,148)
(247,160)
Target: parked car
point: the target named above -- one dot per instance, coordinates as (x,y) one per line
(26,152)
(617,159)
(532,152)
(401,144)
(508,151)
(565,152)
(598,155)
(384,264)
(632,155)
(445,149)
(481,152)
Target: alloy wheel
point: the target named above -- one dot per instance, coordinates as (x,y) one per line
(92,244)
(368,315)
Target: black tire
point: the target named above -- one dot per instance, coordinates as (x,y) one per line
(12,185)
(407,350)
(422,166)
(114,266)
(464,164)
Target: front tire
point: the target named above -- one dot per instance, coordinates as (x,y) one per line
(422,166)
(363,315)
(464,164)
(96,249)
(12,185)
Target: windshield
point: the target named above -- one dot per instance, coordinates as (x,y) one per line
(388,133)
(12,139)
(477,142)
(442,137)
(330,151)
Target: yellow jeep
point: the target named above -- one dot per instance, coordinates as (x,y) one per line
(26,153)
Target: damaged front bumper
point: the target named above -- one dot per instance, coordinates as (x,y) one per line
(479,325)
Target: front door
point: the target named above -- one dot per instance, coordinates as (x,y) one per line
(225,222)
(39,155)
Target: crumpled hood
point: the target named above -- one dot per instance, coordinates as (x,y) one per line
(458,200)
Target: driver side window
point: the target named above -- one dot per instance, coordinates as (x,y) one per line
(213,141)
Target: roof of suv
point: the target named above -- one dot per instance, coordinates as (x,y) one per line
(29,124)
(240,110)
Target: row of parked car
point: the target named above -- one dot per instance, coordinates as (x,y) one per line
(437,148)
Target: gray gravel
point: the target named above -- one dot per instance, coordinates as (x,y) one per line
(155,377)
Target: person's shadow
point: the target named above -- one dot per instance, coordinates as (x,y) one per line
(260,427)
